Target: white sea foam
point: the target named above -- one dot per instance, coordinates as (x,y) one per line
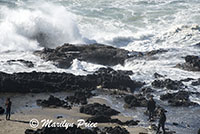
(44,25)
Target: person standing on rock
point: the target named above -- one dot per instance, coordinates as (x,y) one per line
(151,106)
(8,108)
(162,121)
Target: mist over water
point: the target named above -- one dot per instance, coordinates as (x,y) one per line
(35,26)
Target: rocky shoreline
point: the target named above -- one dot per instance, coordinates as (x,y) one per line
(85,87)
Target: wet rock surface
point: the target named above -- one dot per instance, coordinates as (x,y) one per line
(37,82)
(168,83)
(157,75)
(115,130)
(136,54)
(29,64)
(192,63)
(109,78)
(53,102)
(135,101)
(181,98)
(94,53)
(80,97)
(196,83)
(98,109)
(2,110)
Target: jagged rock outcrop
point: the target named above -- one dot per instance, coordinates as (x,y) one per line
(79,97)
(53,102)
(181,98)
(135,101)
(167,83)
(192,63)
(53,82)
(196,83)
(63,55)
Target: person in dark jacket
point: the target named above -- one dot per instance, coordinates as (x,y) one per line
(151,107)
(8,108)
(162,121)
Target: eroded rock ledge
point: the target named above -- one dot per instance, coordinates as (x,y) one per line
(37,82)
(63,55)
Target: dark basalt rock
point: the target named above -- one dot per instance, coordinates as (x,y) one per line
(60,130)
(115,130)
(197,45)
(80,97)
(146,90)
(167,83)
(192,63)
(98,109)
(180,98)
(199,131)
(187,80)
(94,53)
(2,110)
(196,83)
(157,75)
(135,101)
(107,119)
(24,62)
(38,82)
(53,102)
(136,54)
(109,78)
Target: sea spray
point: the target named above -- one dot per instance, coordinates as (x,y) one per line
(46,25)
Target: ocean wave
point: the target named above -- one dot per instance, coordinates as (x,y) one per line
(44,25)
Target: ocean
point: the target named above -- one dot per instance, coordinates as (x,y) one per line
(134,25)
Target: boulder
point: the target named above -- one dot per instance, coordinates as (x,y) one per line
(181,98)
(192,63)
(80,97)
(98,109)
(157,75)
(135,101)
(53,102)
(109,78)
(196,83)
(167,83)
(115,130)
(199,131)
